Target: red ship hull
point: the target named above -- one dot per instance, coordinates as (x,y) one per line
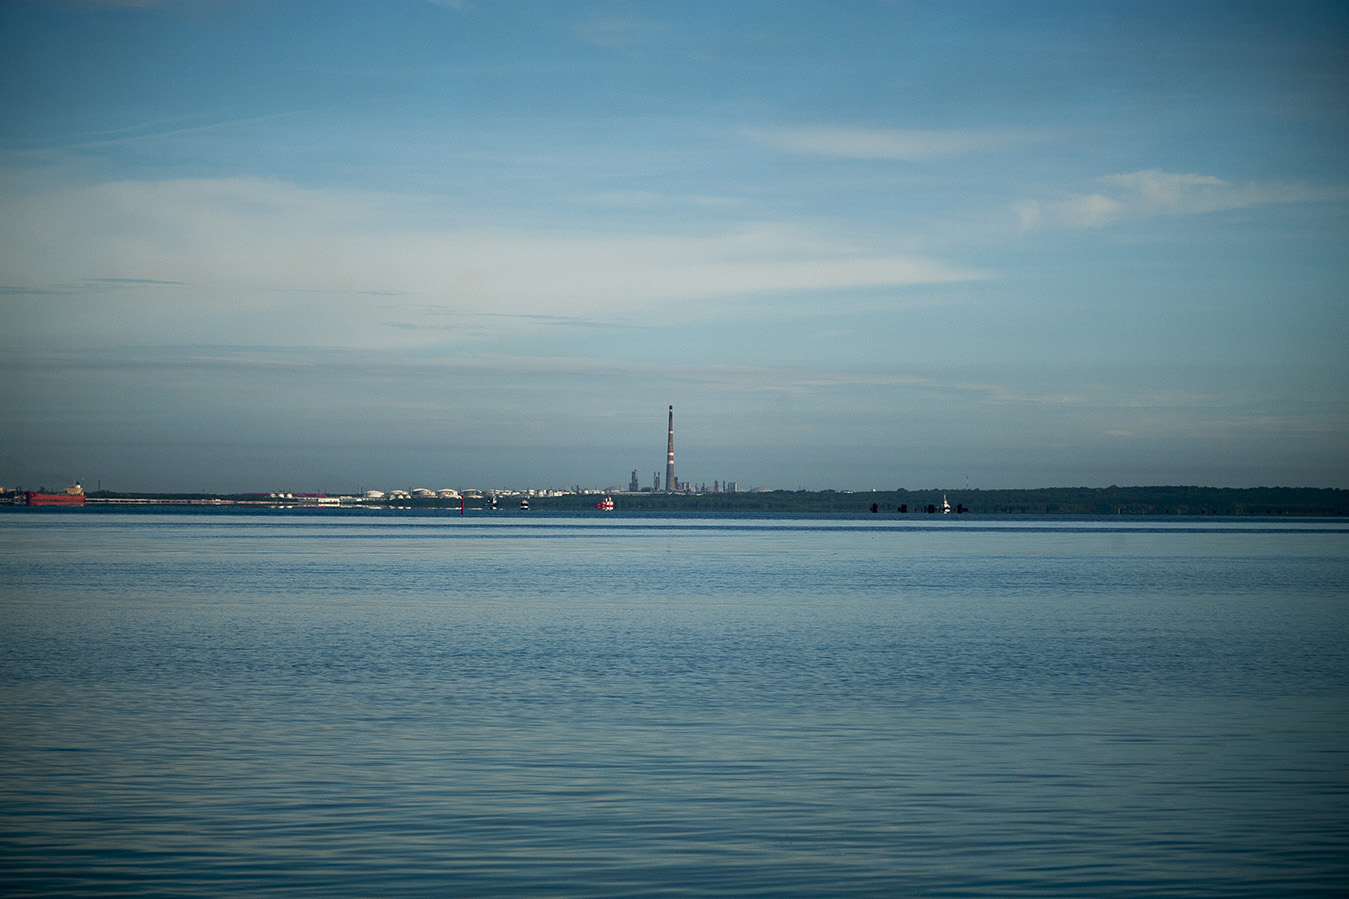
(55,499)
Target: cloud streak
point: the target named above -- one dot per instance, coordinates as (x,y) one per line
(616,33)
(884,144)
(1153,192)
(201,245)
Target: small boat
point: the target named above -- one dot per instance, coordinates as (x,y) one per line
(945,506)
(524,505)
(606,504)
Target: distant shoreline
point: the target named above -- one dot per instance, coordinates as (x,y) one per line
(1164,500)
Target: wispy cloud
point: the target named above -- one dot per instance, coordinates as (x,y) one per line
(645,199)
(11,291)
(877,143)
(245,242)
(133,282)
(429,318)
(456,5)
(718,377)
(616,33)
(1150,193)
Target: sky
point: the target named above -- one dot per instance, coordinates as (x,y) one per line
(317,247)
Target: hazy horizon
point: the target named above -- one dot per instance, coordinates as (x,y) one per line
(296,247)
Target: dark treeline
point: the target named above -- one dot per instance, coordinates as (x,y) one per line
(1048,500)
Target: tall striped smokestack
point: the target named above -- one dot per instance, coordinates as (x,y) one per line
(669,458)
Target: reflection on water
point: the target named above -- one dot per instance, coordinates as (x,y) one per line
(199,704)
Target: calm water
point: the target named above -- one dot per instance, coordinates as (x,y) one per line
(200,704)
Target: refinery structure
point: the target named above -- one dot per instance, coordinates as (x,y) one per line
(671,485)
(489,498)
(672,482)
(479,498)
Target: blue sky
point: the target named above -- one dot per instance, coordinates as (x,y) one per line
(255,245)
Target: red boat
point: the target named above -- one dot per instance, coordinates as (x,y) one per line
(605,505)
(74,496)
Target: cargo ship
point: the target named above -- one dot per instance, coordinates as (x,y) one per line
(73,496)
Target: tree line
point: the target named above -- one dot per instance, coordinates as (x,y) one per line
(1310,501)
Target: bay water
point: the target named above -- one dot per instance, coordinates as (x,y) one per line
(210,703)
